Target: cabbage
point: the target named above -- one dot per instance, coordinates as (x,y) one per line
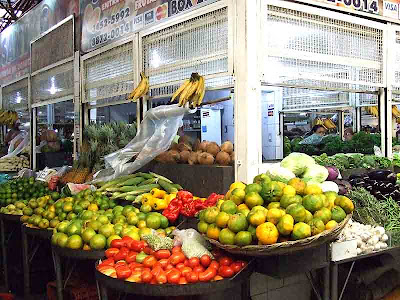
(297,162)
(315,173)
(329,186)
(278,173)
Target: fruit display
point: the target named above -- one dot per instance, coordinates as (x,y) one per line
(192,90)
(276,207)
(203,153)
(369,238)
(142,88)
(136,261)
(14,163)
(20,191)
(8,117)
(136,188)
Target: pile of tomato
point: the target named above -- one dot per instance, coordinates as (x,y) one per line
(165,266)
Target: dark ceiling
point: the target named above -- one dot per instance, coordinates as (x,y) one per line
(12,10)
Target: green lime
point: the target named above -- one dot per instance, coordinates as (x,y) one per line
(153,221)
(98,242)
(87,234)
(74,242)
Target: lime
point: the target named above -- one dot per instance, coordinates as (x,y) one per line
(141,216)
(103,219)
(73,229)
(127,209)
(153,221)
(163,222)
(118,208)
(62,240)
(133,219)
(144,231)
(118,228)
(87,234)
(229,207)
(84,203)
(243,238)
(87,215)
(107,230)
(134,235)
(95,225)
(145,208)
(119,219)
(74,242)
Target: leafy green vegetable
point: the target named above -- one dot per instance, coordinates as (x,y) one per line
(287,147)
(369,162)
(342,159)
(332,145)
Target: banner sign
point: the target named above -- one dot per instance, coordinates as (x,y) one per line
(15,39)
(105,21)
(385,8)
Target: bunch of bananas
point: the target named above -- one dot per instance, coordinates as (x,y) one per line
(191,90)
(328,123)
(8,117)
(142,89)
(395,112)
(372,110)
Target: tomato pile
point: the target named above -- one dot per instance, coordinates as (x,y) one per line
(135,261)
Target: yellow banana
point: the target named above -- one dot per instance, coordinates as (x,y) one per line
(185,92)
(180,89)
(191,91)
(203,92)
(141,89)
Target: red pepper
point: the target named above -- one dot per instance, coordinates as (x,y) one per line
(213,199)
(185,196)
(189,209)
(172,213)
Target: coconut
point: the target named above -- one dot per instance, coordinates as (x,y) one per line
(203,146)
(213,148)
(184,147)
(162,158)
(193,158)
(196,145)
(174,146)
(185,140)
(184,156)
(206,159)
(223,158)
(233,158)
(227,147)
(175,156)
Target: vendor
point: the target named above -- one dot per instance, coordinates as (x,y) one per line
(348,134)
(319,129)
(12,133)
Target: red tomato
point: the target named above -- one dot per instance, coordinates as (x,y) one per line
(137,269)
(192,277)
(137,245)
(148,250)
(173,276)
(149,261)
(198,269)
(160,254)
(225,271)
(162,278)
(117,243)
(134,264)
(107,262)
(236,267)
(225,261)
(214,264)
(176,249)
(194,262)
(123,272)
(156,271)
(121,255)
(120,263)
(146,270)
(182,280)
(242,263)
(177,258)
(131,257)
(180,266)
(168,267)
(186,270)
(153,280)
(186,262)
(205,260)
(110,252)
(207,275)
(216,278)
(127,240)
(147,277)
(163,262)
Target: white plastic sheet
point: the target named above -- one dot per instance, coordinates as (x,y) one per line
(14,151)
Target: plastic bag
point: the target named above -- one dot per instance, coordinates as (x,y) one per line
(314,139)
(193,244)
(156,133)
(26,173)
(14,151)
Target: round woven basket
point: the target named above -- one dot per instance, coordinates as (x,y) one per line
(285,247)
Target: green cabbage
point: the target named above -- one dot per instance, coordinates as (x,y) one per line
(315,173)
(297,162)
(278,173)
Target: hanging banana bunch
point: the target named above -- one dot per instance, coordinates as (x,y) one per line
(328,124)
(8,117)
(192,91)
(142,89)
(372,110)
(395,112)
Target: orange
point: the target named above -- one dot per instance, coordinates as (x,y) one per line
(222,219)
(289,191)
(317,226)
(226,237)
(93,207)
(213,232)
(312,189)
(285,225)
(267,233)
(345,203)
(309,217)
(274,205)
(256,218)
(297,211)
(324,214)
(287,200)
(331,224)
(313,203)
(338,214)
(273,215)
(237,223)
(243,238)
(301,231)
(298,184)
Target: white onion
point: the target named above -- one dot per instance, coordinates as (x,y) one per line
(384,238)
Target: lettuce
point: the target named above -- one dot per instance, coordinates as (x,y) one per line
(278,173)
(297,162)
(315,173)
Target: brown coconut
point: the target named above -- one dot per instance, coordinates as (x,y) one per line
(196,145)
(223,158)
(193,158)
(162,158)
(227,147)
(203,146)
(233,158)
(173,156)
(174,146)
(206,159)
(184,147)
(213,149)
(184,156)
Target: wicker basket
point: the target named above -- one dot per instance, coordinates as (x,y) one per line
(285,247)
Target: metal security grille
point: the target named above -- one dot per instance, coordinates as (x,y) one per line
(395,62)
(109,75)
(55,83)
(15,95)
(197,45)
(309,50)
(61,42)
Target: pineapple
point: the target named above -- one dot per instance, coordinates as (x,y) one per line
(83,169)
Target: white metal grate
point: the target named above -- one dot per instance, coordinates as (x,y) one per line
(109,74)
(197,45)
(395,62)
(15,95)
(308,50)
(55,83)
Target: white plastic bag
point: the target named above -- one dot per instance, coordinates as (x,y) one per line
(14,151)
(155,135)
(193,244)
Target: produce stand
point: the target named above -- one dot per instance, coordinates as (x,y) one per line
(169,290)
(334,267)
(44,236)
(74,256)
(4,218)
